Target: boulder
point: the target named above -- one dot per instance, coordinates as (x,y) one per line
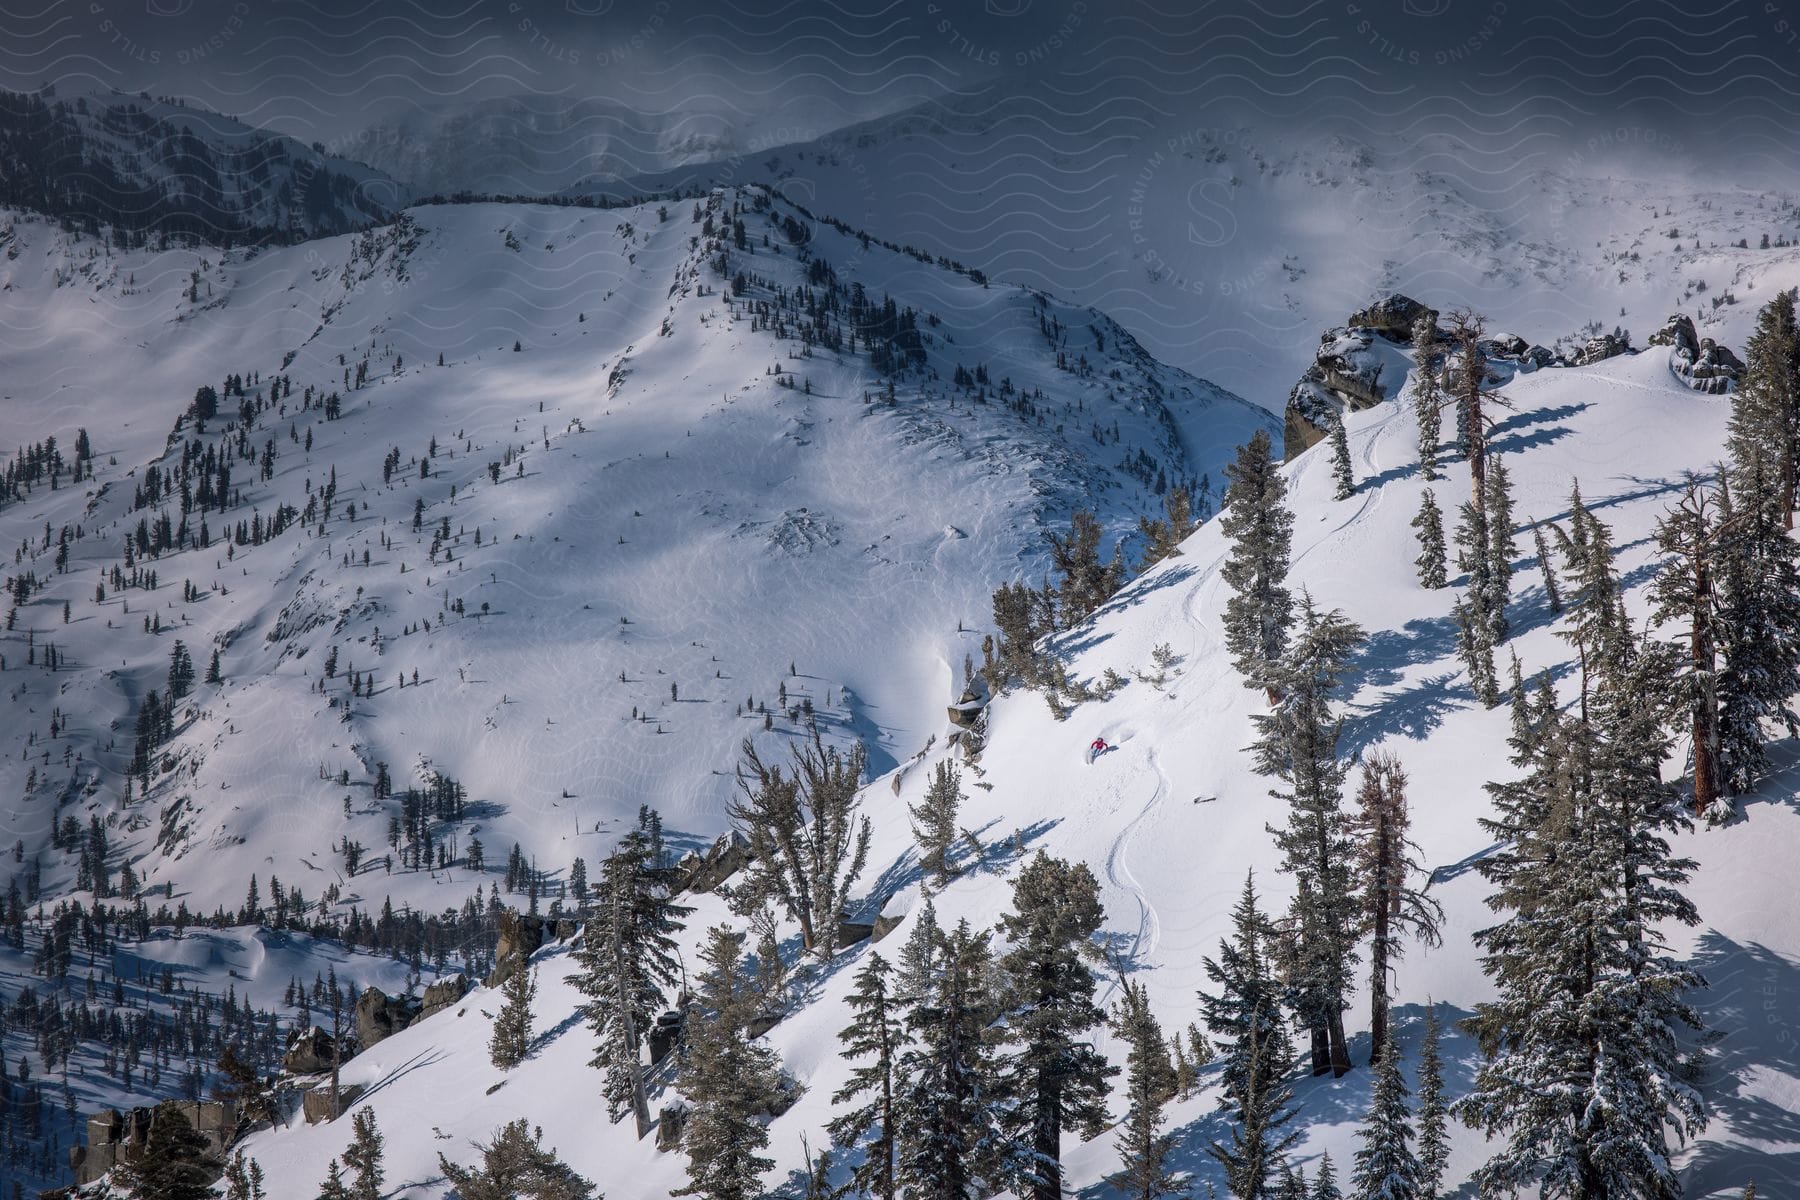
(761,1023)
(309,1053)
(380,1016)
(1715,369)
(851,932)
(669,1124)
(665,1035)
(1678,334)
(1601,348)
(884,925)
(316,1106)
(1393,315)
(441,995)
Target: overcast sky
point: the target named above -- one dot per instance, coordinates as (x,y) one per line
(1710,76)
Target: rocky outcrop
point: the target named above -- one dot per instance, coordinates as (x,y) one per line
(114,1137)
(884,925)
(316,1105)
(670,1123)
(310,1052)
(1354,368)
(665,1035)
(1601,348)
(1701,362)
(723,859)
(520,936)
(441,995)
(380,1016)
(1392,315)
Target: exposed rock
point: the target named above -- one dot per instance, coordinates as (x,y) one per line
(725,858)
(852,932)
(441,995)
(883,926)
(1599,349)
(1716,370)
(761,1023)
(315,1105)
(665,1035)
(669,1124)
(1506,346)
(115,1137)
(1540,357)
(380,1016)
(1678,334)
(309,1053)
(1392,315)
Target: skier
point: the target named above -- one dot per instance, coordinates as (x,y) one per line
(1096,748)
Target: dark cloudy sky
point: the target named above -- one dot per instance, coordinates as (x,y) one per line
(1720,75)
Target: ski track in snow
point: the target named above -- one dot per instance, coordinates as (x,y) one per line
(1118,873)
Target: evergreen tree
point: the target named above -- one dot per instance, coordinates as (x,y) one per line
(1386,1168)
(511,1041)
(514,1165)
(1385,865)
(1471,379)
(1150,1082)
(1764,432)
(915,980)
(1247,1019)
(1584,1080)
(173,1164)
(334,1187)
(1341,472)
(1434,1140)
(1758,600)
(1428,404)
(1476,651)
(1325,1185)
(212,669)
(1163,535)
(1054,1076)
(1087,582)
(934,820)
(730,1079)
(808,839)
(1501,546)
(181,671)
(1430,524)
(627,959)
(948,1137)
(1547,569)
(363,1156)
(1297,745)
(876,1037)
(1260,610)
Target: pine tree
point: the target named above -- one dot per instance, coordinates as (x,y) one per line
(363,1156)
(808,839)
(915,980)
(1497,506)
(1476,651)
(627,959)
(1467,331)
(934,820)
(1386,1168)
(730,1079)
(334,1187)
(1247,1019)
(1325,1185)
(876,1038)
(515,1166)
(1163,535)
(1433,571)
(173,1164)
(1758,601)
(511,1041)
(1428,404)
(1764,432)
(1584,1079)
(1385,865)
(1150,1082)
(1053,1076)
(1341,472)
(1297,745)
(212,669)
(1087,582)
(1260,610)
(1434,1139)
(947,1132)
(181,671)
(1547,568)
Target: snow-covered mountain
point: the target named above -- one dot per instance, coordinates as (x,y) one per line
(141,167)
(558,503)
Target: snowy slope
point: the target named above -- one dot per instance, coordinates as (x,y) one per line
(1224,241)
(1172,819)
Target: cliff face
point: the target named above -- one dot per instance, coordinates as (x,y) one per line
(1358,365)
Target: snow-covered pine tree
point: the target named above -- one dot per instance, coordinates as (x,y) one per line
(729,1079)
(1428,402)
(948,1137)
(1685,594)
(364,1156)
(512,1026)
(1501,546)
(515,1166)
(1163,535)
(1471,378)
(915,975)
(1385,867)
(934,820)
(1256,519)
(875,1038)
(1325,1185)
(1144,1149)
(1433,570)
(1474,547)
(1547,568)
(627,959)
(1434,1138)
(1292,1185)
(808,839)
(1087,582)
(1764,435)
(1297,745)
(333,1186)
(1052,1075)
(1386,1167)
(173,1163)
(1584,1079)
(1246,1018)
(1758,596)
(1342,474)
